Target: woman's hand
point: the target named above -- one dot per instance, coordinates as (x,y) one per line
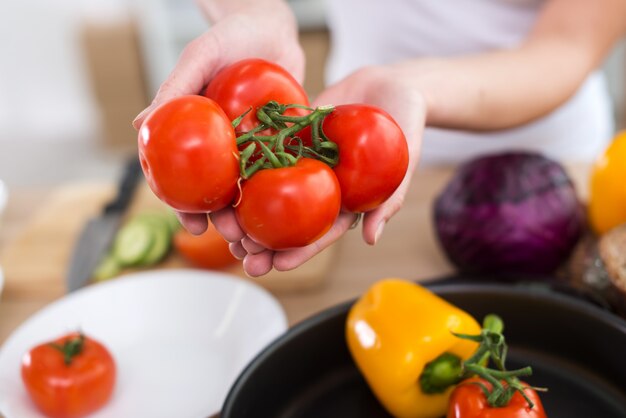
(378,86)
(242,29)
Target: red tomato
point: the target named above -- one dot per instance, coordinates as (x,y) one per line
(208,250)
(188,152)
(468,401)
(251,83)
(373,154)
(289,207)
(69,386)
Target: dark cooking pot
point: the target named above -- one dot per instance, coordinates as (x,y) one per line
(576,349)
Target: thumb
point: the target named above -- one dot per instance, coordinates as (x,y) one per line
(195,67)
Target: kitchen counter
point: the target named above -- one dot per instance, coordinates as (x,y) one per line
(34,251)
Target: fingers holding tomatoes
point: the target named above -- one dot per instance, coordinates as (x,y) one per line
(290,259)
(258,260)
(292,163)
(196,223)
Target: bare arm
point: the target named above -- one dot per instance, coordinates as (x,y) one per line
(506,88)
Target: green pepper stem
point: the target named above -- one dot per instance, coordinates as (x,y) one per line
(441,373)
(493,323)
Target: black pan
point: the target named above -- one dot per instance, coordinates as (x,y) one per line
(576,349)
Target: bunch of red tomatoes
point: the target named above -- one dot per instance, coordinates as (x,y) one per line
(251,140)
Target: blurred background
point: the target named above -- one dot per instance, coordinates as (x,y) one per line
(74,74)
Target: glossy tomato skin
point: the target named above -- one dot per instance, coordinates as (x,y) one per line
(208,250)
(468,401)
(373,154)
(69,391)
(188,153)
(289,207)
(251,83)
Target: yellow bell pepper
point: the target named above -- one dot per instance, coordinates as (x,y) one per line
(394,332)
(607,189)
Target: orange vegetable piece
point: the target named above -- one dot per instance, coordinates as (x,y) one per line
(208,250)
(607,200)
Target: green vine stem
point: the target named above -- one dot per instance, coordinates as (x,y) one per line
(277,150)
(448,369)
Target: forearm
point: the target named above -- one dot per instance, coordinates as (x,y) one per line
(216,10)
(503,89)
(492,91)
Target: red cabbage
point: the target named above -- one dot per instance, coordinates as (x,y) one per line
(512,213)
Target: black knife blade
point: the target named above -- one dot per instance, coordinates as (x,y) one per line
(97,235)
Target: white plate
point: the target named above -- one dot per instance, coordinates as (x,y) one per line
(179,337)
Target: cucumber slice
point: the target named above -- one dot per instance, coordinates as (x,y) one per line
(144,240)
(133,242)
(107,269)
(161,242)
(157,219)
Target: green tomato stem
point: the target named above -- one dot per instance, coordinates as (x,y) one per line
(71,348)
(236,122)
(448,369)
(273,147)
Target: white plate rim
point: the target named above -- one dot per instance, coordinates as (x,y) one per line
(137,276)
(149,275)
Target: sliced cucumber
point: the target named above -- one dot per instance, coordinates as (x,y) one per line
(162,238)
(108,268)
(133,242)
(144,240)
(157,219)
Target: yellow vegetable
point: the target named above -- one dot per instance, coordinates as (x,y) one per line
(607,200)
(394,331)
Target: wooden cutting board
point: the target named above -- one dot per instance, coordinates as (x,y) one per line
(37,260)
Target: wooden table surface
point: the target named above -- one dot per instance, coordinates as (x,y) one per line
(34,256)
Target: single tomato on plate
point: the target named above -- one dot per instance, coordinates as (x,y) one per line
(69,377)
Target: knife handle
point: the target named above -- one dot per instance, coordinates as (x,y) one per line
(126,188)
